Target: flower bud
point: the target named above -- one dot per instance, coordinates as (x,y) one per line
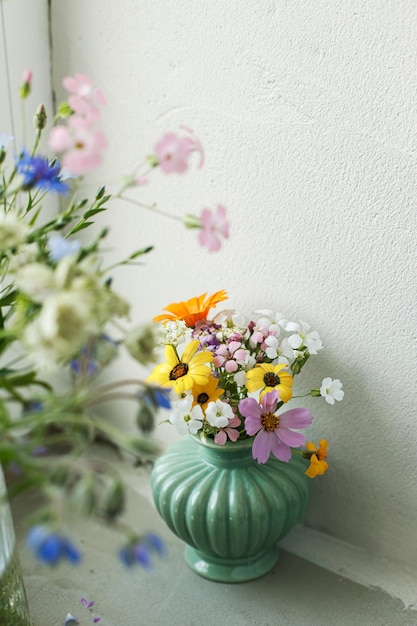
(83,497)
(145,418)
(64,110)
(26,87)
(141,343)
(192,221)
(115,500)
(152,160)
(40,117)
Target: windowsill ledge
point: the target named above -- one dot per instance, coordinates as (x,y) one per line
(316,581)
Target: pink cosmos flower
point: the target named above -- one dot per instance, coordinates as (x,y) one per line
(81,148)
(173,152)
(228,432)
(214,225)
(274,431)
(230,356)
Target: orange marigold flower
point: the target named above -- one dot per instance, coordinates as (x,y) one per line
(193,310)
(318,465)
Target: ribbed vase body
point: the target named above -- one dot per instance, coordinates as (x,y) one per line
(13,605)
(228,509)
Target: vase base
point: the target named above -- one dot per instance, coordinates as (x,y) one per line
(230,570)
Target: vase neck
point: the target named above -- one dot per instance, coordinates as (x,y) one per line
(238,454)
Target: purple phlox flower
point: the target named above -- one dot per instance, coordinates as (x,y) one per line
(60,247)
(229,431)
(96,619)
(51,547)
(230,356)
(206,332)
(273,432)
(139,551)
(39,173)
(70,619)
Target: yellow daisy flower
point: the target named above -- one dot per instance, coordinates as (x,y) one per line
(193,310)
(318,465)
(183,373)
(203,394)
(267,377)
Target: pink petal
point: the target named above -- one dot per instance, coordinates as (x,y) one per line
(249,408)
(220,438)
(231,366)
(289,437)
(233,434)
(261,448)
(253,424)
(280,450)
(296,418)
(270,401)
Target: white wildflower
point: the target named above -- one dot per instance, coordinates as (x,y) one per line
(331,390)
(185,418)
(36,281)
(219,413)
(303,337)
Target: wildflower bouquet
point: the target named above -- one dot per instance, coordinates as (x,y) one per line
(59,312)
(231,378)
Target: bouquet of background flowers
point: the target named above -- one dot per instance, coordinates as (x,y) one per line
(59,311)
(231,378)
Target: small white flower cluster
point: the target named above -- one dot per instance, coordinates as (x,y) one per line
(173,333)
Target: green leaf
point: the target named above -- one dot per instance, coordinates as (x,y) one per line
(92,212)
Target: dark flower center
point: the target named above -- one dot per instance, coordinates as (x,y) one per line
(202,398)
(270,421)
(179,370)
(271,379)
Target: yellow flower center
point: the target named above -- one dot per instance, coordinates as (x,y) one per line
(202,398)
(271,379)
(270,421)
(178,371)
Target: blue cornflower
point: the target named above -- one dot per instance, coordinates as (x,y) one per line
(50,547)
(38,173)
(139,551)
(156,397)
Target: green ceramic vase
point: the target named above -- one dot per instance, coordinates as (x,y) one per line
(228,509)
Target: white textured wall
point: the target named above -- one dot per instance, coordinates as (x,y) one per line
(308,112)
(24,44)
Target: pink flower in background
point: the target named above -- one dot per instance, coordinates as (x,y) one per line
(228,432)
(194,144)
(214,225)
(274,432)
(174,151)
(81,148)
(85,100)
(83,91)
